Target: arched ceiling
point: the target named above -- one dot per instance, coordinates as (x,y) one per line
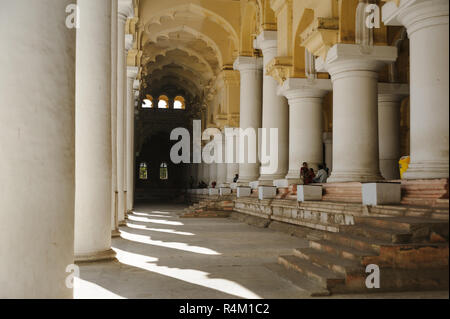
(187,45)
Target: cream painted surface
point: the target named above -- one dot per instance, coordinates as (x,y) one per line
(114,190)
(132,73)
(428,30)
(250,69)
(37,141)
(305,123)
(93,132)
(355,111)
(124,13)
(275,113)
(389,134)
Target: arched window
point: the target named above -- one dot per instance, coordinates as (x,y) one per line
(163,172)
(148,102)
(179,103)
(143,171)
(163,102)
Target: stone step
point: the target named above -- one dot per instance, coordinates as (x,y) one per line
(355,242)
(340,250)
(388,235)
(207,214)
(336,264)
(298,279)
(406,224)
(322,276)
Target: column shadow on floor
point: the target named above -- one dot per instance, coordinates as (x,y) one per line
(163,256)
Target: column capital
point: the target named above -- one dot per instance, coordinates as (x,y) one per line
(342,58)
(248,63)
(132,72)
(298,88)
(392,92)
(416,14)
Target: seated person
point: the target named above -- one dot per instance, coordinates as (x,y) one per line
(321,176)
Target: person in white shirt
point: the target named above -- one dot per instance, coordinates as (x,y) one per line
(321,176)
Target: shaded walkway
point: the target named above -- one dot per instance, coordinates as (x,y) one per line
(163,256)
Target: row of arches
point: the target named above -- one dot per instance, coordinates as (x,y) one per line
(163,102)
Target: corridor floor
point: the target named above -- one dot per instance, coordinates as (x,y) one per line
(160,255)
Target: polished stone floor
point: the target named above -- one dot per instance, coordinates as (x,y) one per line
(160,255)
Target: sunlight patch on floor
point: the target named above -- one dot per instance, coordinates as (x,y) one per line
(192,276)
(83,289)
(170,231)
(156,221)
(174,245)
(151,215)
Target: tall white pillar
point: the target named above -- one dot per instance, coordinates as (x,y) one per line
(390,96)
(132,73)
(212,173)
(231,156)
(206,177)
(93,133)
(275,113)
(37,142)
(328,149)
(125,11)
(428,30)
(305,123)
(222,165)
(114,196)
(250,69)
(355,110)
(199,174)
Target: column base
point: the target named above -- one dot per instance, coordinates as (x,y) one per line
(427,170)
(267,180)
(115,233)
(122,223)
(247,179)
(96,256)
(339,177)
(294,178)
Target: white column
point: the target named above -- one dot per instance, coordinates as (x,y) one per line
(232,154)
(250,69)
(206,177)
(222,165)
(355,110)
(199,174)
(390,96)
(93,133)
(212,173)
(328,148)
(428,30)
(132,73)
(125,11)
(114,196)
(305,123)
(275,112)
(37,142)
